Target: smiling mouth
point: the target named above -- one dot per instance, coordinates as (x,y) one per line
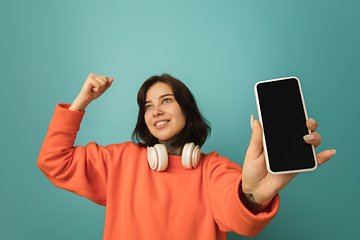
(161,123)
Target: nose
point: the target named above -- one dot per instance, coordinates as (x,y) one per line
(157,111)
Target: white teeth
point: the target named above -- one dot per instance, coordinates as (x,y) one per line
(160,123)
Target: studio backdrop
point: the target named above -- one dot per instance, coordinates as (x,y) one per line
(219,49)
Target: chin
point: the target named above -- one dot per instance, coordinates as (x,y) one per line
(164,137)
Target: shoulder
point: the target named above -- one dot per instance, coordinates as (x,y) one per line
(214,156)
(116,148)
(213,160)
(125,146)
(126,153)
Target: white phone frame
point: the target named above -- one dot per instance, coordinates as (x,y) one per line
(261,122)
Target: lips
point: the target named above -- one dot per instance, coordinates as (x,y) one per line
(161,124)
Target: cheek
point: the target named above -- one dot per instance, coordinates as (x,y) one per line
(184,121)
(181,119)
(147,120)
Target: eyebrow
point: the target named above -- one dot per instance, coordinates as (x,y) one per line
(162,96)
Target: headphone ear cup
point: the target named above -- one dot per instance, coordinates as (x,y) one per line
(157,157)
(152,157)
(196,155)
(190,156)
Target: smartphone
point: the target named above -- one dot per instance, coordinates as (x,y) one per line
(283,116)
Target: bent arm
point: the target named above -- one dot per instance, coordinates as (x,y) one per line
(81,170)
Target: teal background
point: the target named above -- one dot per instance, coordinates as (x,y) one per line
(219,49)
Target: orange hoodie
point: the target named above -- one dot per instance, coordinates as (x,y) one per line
(202,203)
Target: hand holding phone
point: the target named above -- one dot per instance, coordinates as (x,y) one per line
(282,149)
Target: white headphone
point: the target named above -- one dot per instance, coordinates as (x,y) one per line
(158,156)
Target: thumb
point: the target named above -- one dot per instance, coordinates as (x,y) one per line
(110,81)
(256,143)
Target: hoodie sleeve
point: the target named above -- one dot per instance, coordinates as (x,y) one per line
(82,170)
(224,181)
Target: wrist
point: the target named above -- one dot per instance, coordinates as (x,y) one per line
(253,200)
(79,104)
(251,203)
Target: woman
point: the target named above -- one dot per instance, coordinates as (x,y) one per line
(168,190)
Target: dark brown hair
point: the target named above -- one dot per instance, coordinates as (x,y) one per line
(196,129)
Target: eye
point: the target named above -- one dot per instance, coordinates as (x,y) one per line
(148,107)
(167,100)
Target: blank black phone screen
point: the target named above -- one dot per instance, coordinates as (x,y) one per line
(284,124)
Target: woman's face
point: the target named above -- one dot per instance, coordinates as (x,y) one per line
(163,115)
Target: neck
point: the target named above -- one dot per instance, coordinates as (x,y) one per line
(177,151)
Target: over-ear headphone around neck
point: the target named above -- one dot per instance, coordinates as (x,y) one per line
(158,156)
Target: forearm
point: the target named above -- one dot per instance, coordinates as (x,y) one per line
(79,104)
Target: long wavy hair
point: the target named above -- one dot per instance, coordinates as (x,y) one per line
(196,129)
